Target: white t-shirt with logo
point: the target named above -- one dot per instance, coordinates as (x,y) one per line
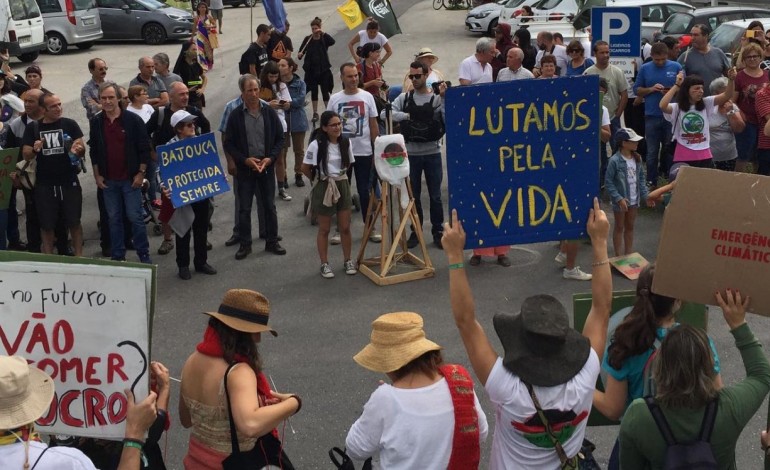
(633,191)
(511,448)
(355,112)
(691,128)
(333,158)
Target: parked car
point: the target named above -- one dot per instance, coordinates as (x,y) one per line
(544,10)
(728,35)
(149,20)
(654,13)
(237,3)
(70,23)
(484,18)
(23,28)
(680,24)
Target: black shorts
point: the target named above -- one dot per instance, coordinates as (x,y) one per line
(325,80)
(53,202)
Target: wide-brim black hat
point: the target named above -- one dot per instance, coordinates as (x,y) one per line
(540,347)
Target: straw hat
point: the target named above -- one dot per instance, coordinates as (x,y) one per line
(397,339)
(426,52)
(25,392)
(540,347)
(244,310)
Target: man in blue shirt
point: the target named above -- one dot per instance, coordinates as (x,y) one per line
(653,81)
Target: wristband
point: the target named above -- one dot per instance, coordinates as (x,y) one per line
(128,442)
(457,266)
(600,263)
(299,401)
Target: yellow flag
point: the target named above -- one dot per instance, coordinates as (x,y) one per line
(351,14)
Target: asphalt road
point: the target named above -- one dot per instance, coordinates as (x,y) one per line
(323,323)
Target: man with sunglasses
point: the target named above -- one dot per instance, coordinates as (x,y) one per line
(89,93)
(421,114)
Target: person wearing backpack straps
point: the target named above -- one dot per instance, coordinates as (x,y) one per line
(421,114)
(684,379)
(633,340)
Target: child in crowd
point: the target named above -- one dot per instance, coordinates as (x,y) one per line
(624,182)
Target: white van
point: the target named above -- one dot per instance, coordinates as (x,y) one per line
(21,29)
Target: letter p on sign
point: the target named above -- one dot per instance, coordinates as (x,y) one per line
(620,27)
(614,24)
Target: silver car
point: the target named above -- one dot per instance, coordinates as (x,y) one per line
(70,23)
(149,20)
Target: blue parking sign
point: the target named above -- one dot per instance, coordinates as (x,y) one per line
(621,27)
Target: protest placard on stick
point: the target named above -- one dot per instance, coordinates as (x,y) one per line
(190,169)
(86,326)
(715,236)
(523,158)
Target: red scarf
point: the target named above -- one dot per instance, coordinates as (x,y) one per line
(466,450)
(211,346)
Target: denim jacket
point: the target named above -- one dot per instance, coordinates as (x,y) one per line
(616,183)
(297,118)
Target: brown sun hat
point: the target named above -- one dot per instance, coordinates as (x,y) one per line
(244,310)
(25,392)
(540,347)
(426,52)
(397,339)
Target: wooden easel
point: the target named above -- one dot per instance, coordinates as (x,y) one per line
(382,269)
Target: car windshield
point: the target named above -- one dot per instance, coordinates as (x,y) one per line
(546,4)
(152,4)
(677,24)
(726,37)
(83,4)
(511,3)
(24,9)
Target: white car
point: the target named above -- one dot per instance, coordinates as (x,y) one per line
(484,18)
(544,10)
(728,35)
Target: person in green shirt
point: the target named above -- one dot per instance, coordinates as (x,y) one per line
(684,377)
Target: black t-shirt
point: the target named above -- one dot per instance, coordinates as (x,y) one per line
(53,162)
(279,46)
(254,55)
(192,76)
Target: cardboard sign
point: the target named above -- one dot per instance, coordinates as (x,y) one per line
(87,327)
(523,158)
(8,159)
(716,235)
(629,265)
(190,169)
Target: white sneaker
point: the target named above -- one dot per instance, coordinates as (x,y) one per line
(576,274)
(284,195)
(375,237)
(336,239)
(561,258)
(350,267)
(326,271)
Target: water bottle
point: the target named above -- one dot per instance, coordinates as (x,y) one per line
(75,161)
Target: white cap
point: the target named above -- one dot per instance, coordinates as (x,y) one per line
(181,116)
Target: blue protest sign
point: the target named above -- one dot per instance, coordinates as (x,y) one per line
(191,171)
(620,27)
(523,158)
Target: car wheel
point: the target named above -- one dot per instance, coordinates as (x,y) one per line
(84,46)
(29,56)
(153,33)
(492,26)
(250,3)
(55,44)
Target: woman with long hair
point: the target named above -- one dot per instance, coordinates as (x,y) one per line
(204,35)
(193,74)
(370,69)
(314,51)
(428,416)
(690,114)
(277,95)
(523,39)
(578,61)
(224,376)
(297,122)
(631,346)
(328,157)
(748,81)
(686,387)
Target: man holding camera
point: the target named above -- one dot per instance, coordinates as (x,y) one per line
(421,114)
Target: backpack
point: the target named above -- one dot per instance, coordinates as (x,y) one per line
(422,125)
(693,455)
(243,65)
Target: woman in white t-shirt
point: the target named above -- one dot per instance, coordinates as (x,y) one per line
(370,34)
(137,97)
(328,157)
(690,116)
(425,418)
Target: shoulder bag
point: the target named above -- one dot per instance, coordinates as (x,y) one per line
(267,451)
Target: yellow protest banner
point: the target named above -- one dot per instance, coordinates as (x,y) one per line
(351,14)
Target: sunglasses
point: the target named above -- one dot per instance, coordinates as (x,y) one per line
(752,57)
(415,76)
(334,124)
(103,69)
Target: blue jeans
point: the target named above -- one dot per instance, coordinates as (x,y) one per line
(152,179)
(657,131)
(432,167)
(119,195)
(746,142)
(363,168)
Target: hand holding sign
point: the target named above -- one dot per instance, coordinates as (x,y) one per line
(733,307)
(140,416)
